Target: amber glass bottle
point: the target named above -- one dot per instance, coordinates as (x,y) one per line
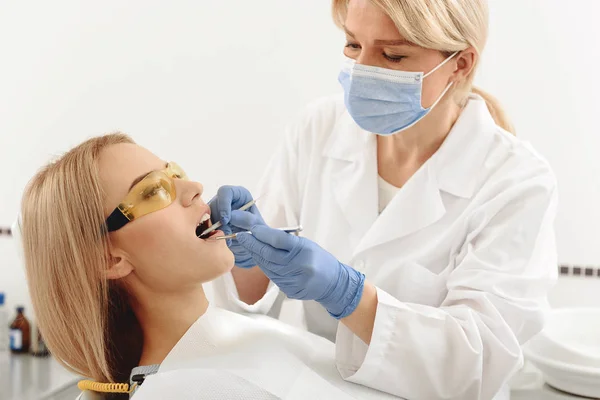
(20,333)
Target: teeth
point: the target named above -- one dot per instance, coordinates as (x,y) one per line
(205,218)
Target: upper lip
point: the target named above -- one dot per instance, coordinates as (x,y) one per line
(205,210)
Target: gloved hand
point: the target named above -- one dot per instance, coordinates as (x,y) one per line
(230,198)
(300,267)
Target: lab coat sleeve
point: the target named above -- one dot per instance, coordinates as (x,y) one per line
(469,347)
(225,295)
(279,193)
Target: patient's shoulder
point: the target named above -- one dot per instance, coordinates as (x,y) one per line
(200,383)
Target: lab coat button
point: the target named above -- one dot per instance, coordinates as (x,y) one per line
(360,265)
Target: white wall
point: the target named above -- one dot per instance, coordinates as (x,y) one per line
(211,84)
(543,63)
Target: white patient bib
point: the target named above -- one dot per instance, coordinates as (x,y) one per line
(230,355)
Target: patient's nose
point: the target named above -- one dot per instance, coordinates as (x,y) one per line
(192,192)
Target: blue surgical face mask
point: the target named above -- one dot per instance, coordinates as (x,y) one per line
(385,101)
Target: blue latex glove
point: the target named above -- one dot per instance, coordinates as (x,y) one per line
(300,267)
(230,198)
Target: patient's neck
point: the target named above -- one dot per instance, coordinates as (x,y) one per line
(165,318)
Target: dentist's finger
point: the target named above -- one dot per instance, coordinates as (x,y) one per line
(271,257)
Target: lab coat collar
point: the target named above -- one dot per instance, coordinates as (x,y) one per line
(349,142)
(452,169)
(460,157)
(354,172)
(417,205)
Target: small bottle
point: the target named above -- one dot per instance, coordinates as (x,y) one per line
(3,325)
(38,347)
(20,333)
(42,350)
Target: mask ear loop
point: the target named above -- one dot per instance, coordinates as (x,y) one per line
(440,65)
(447,87)
(439,98)
(429,109)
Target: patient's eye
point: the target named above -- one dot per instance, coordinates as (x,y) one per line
(177,174)
(152,191)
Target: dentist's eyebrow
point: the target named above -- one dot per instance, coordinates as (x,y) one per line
(379,42)
(399,42)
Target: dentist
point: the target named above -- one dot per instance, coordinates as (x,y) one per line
(428,245)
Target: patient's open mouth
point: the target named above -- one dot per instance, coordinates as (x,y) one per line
(204,224)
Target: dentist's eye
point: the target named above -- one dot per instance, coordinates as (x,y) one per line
(393,58)
(352,46)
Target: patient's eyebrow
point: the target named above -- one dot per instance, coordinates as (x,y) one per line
(139,178)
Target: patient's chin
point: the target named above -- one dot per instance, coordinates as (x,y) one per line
(228,261)
(221,263)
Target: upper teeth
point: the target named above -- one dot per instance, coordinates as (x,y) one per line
(205,218)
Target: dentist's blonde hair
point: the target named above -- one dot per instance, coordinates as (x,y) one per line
(444,25)
(85,319)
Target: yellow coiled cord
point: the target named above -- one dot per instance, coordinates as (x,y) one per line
(105,387)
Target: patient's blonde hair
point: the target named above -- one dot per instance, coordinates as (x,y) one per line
(444,25)
(85,319)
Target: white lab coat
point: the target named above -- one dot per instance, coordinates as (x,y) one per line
(462,257)
(229,356)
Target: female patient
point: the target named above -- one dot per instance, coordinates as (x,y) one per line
(115,271)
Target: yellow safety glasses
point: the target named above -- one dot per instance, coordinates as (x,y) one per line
(154,192)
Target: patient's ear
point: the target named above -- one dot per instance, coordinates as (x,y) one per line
(119,267)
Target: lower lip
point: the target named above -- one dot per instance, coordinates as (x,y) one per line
(214,235)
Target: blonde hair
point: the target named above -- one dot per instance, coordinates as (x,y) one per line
(85,319)
(444,25)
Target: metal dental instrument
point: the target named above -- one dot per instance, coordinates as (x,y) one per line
(218,224)
(295,230)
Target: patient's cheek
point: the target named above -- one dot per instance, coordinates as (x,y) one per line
(157,229)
